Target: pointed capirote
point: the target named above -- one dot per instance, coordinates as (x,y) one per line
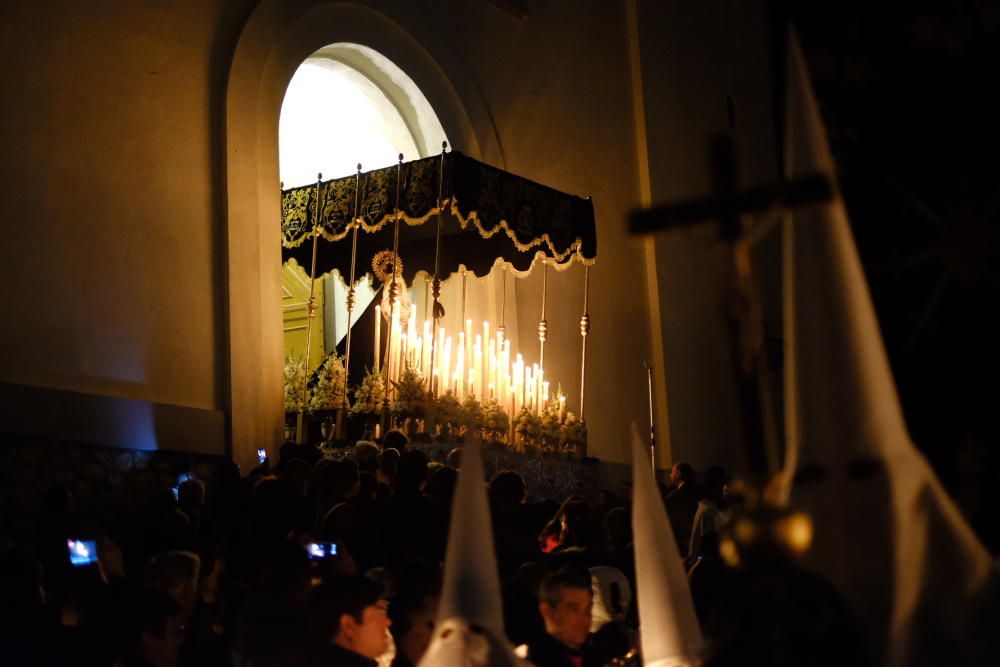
(668,626)
(470,630)
(885,533)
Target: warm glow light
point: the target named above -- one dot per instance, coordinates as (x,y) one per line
(466,368)
(332,118)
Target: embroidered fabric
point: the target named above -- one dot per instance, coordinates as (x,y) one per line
(478,203)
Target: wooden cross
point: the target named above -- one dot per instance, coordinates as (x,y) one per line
(734,211)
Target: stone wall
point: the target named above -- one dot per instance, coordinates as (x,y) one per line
(105,482)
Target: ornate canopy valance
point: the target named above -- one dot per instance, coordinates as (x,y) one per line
(489,215)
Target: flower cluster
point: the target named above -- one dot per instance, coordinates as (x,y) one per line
(449,411)
(369,395)
(296,394)
(328,394)
(496,423)
(410,397)
(472,413)
(527,426)
(573,433)
(550,426)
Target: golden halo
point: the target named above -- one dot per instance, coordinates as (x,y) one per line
(382,264)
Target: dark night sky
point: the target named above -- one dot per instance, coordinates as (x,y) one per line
(909,94)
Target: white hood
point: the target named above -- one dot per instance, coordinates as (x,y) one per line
(886,535)
(470,631)
(669,629)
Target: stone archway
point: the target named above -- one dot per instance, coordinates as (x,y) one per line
(277,37)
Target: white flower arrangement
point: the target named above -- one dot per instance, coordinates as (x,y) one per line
(296,393)
(528,427)
(550,426)
(449,411)
(573,433)
(496,423)
(369,395)
(328,394)
(410,399)
(472,413)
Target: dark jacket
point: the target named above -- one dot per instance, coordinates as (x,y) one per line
(547,651)
(682,504)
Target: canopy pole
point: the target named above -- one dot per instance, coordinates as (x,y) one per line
(502,329)
(543,325)
(393,290)
(350,300)
(300,431)
(437,309)
(427,294)
(584,330)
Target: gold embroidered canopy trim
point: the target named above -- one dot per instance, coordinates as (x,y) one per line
(478,203)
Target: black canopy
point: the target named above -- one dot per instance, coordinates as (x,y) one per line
(488,215)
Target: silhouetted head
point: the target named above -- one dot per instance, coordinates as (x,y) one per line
(411,470)
(350,612)
(681,473)
(395,439)
(506,490)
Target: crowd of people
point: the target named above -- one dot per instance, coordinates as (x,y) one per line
(319,560)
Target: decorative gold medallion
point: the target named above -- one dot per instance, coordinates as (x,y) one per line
(382,265)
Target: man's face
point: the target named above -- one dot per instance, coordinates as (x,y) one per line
(675,475)
(370,638)
(569,620)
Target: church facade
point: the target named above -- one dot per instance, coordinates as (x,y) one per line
(141,252)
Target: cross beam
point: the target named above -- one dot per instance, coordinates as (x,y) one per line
(735,210)
(803,191)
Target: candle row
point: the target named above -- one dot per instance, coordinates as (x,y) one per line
(477,364)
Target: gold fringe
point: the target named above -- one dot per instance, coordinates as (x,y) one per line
(573,252)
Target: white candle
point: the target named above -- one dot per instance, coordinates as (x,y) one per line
(417,354)
(518,383)
(507,388)
(460,365)
(492,357)
(468,344)
(477,364)
(425,364)
(528,385)
(506,365)
(486,359)
(536,387)
(446,365)
(378,331)
(439,361)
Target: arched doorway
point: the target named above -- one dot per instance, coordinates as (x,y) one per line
(347,105)
(277,37)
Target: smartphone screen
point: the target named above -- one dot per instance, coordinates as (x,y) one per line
(184,477)
(320,550)
(82,552)
(261,455)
